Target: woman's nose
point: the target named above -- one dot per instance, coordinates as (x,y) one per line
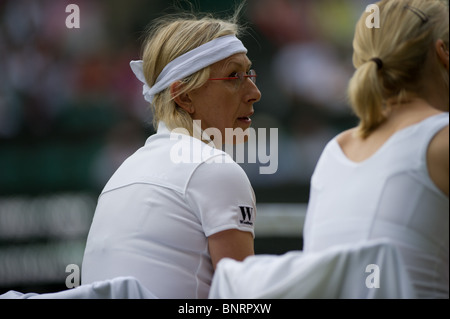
(253,94)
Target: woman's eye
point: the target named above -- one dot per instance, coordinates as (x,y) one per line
(233,75)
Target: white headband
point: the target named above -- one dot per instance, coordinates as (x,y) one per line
(189,63)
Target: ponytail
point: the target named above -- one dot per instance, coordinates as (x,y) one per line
(390,60)
(365,95)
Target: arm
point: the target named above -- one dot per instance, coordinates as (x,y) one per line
(222,198)
(232,243)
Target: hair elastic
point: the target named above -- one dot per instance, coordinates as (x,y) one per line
(189,63)
(378,62)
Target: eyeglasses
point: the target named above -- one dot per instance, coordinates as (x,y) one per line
(240,76)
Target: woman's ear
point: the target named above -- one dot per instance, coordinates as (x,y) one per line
(442,52)
(181,99)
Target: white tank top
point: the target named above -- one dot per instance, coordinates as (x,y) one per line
(389,195)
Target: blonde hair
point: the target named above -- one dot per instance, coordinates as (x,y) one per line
(408,29)
(169,37)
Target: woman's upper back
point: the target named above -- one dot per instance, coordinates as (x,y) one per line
(358,149)
(388,194)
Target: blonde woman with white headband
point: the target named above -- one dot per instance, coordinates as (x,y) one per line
(168,222)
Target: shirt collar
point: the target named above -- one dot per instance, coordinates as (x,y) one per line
(163,129)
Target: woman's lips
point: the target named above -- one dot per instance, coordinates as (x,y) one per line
(246,119)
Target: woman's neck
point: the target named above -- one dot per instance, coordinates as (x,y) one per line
(407,112)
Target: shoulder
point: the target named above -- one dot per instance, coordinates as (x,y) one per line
(438,159)
(437,130)
(346,137)
(441,138)
(222,167)
(439,146)
(219,176)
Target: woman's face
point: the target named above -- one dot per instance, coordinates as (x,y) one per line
(225,104)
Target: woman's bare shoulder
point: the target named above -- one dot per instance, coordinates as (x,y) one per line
(438,159)
(345,137)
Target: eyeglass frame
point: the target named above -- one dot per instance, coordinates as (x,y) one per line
(251,74)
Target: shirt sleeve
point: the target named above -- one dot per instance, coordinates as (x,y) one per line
(221,196)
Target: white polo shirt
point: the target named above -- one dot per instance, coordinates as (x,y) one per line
(155,213)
